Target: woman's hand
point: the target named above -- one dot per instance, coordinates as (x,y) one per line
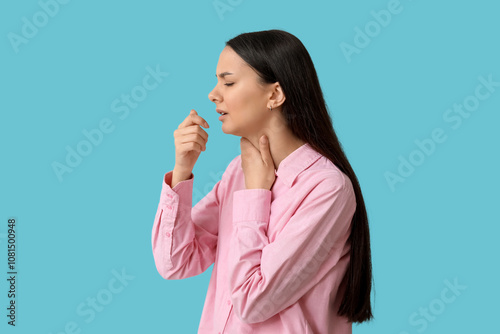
(190,141)
(257,164)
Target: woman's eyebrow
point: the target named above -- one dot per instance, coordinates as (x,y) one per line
(223,74)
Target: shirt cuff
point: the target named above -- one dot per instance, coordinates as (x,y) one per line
(251,205)
(178,197)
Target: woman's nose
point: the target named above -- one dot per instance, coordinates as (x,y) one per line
(213,96)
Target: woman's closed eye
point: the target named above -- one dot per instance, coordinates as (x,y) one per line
(229,84)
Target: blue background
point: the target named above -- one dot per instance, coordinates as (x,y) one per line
(439,224)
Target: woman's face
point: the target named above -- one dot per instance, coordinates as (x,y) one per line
(239,94)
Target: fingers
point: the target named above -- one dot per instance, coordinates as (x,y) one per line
(264,142)
(245,141)
(193,118)
(198,138)
(192,146)
(264,149)
(191,134)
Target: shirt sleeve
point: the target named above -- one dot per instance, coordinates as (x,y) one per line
(269,277)
(184,239)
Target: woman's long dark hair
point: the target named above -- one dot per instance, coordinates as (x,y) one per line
(278,56)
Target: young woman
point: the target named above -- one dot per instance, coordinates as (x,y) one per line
(286,226)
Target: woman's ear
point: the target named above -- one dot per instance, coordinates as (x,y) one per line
(277,95)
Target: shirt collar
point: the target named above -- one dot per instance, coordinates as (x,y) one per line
(296,162)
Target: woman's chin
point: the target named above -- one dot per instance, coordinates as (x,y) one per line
(232,131)
(226,129)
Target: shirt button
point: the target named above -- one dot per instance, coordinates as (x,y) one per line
(167,234)
(228,302)
(169,207)
(169,196)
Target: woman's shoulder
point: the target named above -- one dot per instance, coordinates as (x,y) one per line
(326,173)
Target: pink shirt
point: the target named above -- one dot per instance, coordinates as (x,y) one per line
(279,255)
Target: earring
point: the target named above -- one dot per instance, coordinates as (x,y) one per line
(271,108)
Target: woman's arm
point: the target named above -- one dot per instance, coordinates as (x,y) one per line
(269,277)
(184,239)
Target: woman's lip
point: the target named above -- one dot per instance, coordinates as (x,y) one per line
(221,117)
